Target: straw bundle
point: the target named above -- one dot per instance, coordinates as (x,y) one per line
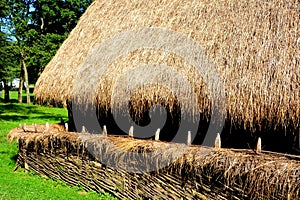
(254,46)
(199,173)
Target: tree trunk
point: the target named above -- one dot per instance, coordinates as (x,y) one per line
(20,87)
(26,78)
(6,92)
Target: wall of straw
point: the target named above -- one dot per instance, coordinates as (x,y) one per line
(216,174)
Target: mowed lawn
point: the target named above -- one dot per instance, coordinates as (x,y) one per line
(21,185)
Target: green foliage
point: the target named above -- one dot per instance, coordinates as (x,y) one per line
(54,20)
(41,53)
(38,28)
(60,16)
(8,61)
(3,8)
(9,66)
(21,185)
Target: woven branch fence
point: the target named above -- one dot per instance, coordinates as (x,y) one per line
(199,173)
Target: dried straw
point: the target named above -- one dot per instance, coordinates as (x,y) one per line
(254,45)
(216,174)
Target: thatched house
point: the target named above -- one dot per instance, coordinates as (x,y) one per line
(253,45)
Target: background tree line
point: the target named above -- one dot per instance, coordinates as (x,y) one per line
(31,32)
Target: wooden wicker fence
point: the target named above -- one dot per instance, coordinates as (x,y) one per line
(200,173)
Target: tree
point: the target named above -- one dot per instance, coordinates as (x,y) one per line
(8,65)
(7,53)
(36,29)
(20,28)
(55,20)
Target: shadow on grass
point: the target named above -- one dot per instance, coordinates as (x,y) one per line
(21,112)
(14,158)
(14,100)
(6,153)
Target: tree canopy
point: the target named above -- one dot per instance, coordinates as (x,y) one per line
(31,32)
(7,52)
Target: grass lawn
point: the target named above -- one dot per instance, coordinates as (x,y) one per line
(21,185)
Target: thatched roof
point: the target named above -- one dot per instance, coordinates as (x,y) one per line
(254,45)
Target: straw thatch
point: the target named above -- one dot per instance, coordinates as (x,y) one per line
(199,173)
(254,46)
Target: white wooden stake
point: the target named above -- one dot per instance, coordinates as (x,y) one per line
(189,138)
(218,141)
(35,128)
(157,134)
(104,131)
(67,127)
(130,132)
(258,145)
(83,130)
(47,126)
(26,167)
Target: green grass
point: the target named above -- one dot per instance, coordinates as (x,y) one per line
(21,185)
(13,95)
